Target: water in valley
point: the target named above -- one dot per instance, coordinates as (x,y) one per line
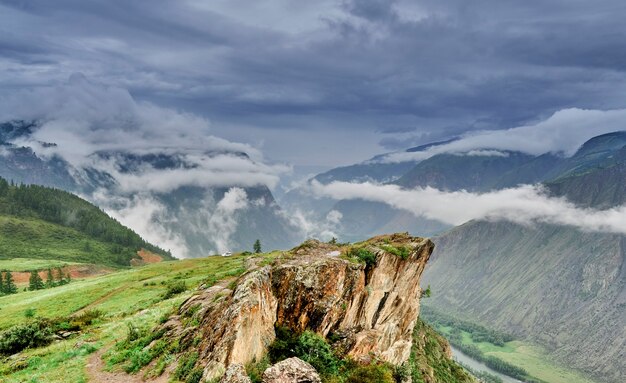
(480,366)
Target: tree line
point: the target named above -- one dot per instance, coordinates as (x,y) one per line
(52,280)
(7,285)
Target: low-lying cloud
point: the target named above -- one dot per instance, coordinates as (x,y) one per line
(525,205)
(310,226)
(223,222)
(562,133)
(140,154)
(84,119)
(145,215)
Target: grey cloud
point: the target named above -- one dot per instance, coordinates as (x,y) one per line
(91,123)
(481,65)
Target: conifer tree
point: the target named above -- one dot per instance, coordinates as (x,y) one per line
(257,246)
(2,288)
(9,285)
(49,279)
(35,282)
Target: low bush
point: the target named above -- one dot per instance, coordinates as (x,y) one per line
(363,255)
(174,288)
(186,366)
(33,334)
(379,373)
(313,349)
(133,352)
(255,370)
(401,251)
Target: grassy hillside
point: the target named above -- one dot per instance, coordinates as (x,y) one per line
(45,223)
(92,317)
(134,297)
(554,286)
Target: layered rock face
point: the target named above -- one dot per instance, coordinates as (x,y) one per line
(371,308)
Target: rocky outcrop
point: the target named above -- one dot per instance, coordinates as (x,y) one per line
(292,370)
(370,309)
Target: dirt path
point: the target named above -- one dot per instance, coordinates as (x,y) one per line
(96,373)
(102,299)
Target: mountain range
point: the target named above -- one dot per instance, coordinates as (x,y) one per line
(191,220)
(550,284)
(553,285)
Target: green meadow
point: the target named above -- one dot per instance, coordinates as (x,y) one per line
(123,297)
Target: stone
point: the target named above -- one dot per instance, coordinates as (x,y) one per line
(292,370)
(235,373)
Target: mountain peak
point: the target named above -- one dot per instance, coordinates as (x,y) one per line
(600,144)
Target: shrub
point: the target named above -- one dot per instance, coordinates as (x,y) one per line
(402,372)
(401,251)
(186,366)
(307,346)
(84,319)
(363,255)
(255,370)
(194,376)
(313,349)
(17,338)
(134,351)
(174,288)
(379,373)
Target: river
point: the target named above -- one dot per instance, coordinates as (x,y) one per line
(479,366)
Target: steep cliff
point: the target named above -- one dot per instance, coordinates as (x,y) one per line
(363,297)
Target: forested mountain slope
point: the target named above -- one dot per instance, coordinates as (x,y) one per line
(41,222)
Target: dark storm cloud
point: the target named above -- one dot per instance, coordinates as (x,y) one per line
(431,64)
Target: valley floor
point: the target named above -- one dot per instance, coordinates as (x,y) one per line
(532,358)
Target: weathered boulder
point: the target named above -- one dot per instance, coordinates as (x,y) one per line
(369,309)
(235,373)
(292,370)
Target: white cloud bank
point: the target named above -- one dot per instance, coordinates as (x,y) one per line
(83,118)
(564,132)
(526,205)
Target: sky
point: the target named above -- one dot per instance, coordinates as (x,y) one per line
(330,82)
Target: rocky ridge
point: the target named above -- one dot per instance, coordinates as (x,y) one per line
(368,308)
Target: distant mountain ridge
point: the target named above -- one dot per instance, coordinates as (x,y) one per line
(478,172)
(553,285)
